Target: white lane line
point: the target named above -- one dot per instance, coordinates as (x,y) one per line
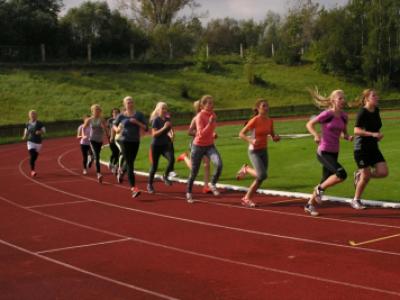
(194,253)
(83,246)
(57,181)
(37,212)
(96,275)
(260,210)
(57,204)
(208,224)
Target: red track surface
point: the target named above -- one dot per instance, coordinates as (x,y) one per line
(64,236)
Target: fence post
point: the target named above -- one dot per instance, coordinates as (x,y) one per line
(43,52)
(171,51)
(89,53)
(272,49)
(241,50)
(132,51)
(207,51)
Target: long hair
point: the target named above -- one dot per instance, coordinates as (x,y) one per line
(205,99)
(321,101)
(157,110)
(257,105)
(197,106)
(362,99)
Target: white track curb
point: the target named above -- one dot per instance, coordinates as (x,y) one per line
(231,187)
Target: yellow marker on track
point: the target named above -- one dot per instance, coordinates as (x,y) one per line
(353,243)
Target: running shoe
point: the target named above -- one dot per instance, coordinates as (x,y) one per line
(135,192)
(99,178)
(166,180)
(356,177)
(84,172)
(150,189)
(189,198)
(33,174)
(310,209)
(214,189)
(356,204)
(206,190)
(242,172)
(172,174)
(120,177)
(247,202)
(319,193)
(181,157)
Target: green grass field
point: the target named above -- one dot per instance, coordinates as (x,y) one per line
(68,94)
(293,165)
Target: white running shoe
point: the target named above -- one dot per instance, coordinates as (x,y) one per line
(172,174)
(310,209)
(99,178)
(319,193)
(356,204)
(84,172)
(189,198)
(150,189)
(214,189)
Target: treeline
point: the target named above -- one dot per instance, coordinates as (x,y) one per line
(360,41)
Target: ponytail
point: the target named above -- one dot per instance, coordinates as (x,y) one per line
(321,101)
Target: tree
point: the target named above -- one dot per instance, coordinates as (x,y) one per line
(157,12)
(108,31)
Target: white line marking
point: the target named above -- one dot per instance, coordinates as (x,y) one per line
(57,204)
(303,240)
(58,181)
(72,267)
(83,246)
(181,250)
(261,210)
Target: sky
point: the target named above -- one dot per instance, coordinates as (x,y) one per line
(237,9)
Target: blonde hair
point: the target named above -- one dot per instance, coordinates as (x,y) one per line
(157,111)
(361,100)
(197,106)
(94,107)
(205,99)
(32,111)
(321,101)
(126,99)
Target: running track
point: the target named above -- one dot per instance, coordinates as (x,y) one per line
(64,236)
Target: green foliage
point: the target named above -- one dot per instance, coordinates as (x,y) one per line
(68,94)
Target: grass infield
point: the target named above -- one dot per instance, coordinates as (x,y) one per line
(293,165)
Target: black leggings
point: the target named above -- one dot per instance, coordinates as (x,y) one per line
(330,165)
(96,148)
(129,151)
(166,151)
(85,149)
(33,157)
(114,158)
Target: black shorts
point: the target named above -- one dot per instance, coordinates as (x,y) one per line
(330,165)
(370,158)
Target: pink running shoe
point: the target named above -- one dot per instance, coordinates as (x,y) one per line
(242,172)
(181,157)
(33,174)
(135,192)
(247,202)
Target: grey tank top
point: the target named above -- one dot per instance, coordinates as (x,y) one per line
(96,131)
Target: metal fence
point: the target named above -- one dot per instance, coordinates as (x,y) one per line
(183,118)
